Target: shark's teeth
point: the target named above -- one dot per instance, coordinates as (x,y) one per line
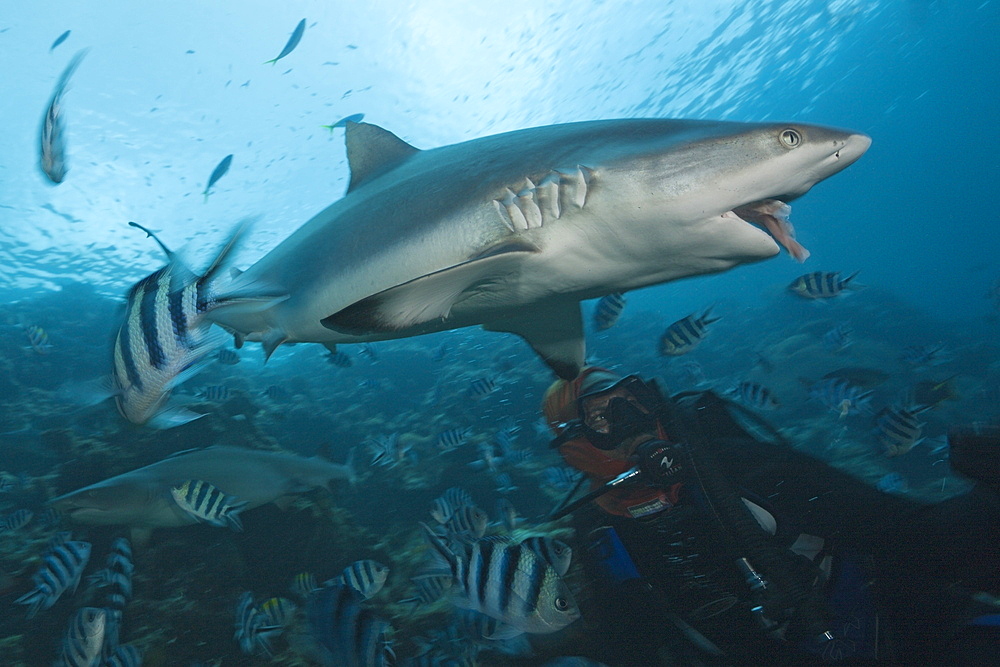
(531,206)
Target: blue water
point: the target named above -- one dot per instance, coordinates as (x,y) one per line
(167,90)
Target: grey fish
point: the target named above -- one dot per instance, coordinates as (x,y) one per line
(59,40)
(685,334)
(820,284)
(164,338)
(84,641)
(512,231)
(142,498)
(293,41)
(508,582)
(217,173)
(60,571)
(53,140)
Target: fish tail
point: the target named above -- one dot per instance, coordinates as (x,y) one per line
(442,554)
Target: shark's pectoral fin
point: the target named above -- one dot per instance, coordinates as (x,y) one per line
(430,297)
(554,330)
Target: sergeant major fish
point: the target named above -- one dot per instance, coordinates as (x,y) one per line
(512,231)
(164,337)
(508,582)
(685,334)
(209,504)
(821,285)
(61,569)
(608,310)
(85,637)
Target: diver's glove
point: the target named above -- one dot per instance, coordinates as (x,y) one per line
(660,461)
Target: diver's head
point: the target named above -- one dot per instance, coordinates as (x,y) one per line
(611,413)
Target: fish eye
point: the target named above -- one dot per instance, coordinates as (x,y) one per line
(790,138)
(562,604)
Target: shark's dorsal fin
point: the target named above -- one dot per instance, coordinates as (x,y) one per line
(372,151)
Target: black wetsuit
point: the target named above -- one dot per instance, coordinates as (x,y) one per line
(911,552)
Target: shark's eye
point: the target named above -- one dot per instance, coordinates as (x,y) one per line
(790,138)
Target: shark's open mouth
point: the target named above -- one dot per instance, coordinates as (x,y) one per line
(772,215)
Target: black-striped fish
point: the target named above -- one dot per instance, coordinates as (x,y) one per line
(608,310)
(365,576)
(60,571)
(898,429)
(754,395)
(481,387)
(293,41)
(446,504)
(278,611)
(560,477)
(217,173)
(503,483)
(556,552)
(339,359)
(227,357)
(114,584)
(838,338)
(38,338)
(303,585)
(350,635)
(84,642)
(507,513)
(165,337)
(431,587)
(16,519)
(126,655)
(252,629)
(841,396)
(214,392)
(821,284)
(53,140)
(508,582)
(386,450)
(453,437)
(369,352)
(685,334)
(467,521)
(209,504)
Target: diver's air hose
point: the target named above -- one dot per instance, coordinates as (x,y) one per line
(787,598)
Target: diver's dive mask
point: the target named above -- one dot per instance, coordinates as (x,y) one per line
(623,410)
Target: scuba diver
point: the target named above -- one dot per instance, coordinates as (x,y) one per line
(712,541)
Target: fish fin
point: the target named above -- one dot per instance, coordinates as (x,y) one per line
(88,392)
(443,557)
(429,297)
(554,331)
(372,151)
(173,417)
(504,631)
(233,516)
(271,341)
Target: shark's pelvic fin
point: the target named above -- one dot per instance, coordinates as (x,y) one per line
(430,297)
(272,339)
(554,331)
(372,151)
